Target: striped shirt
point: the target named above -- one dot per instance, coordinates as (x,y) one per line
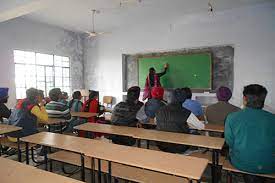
(58,110)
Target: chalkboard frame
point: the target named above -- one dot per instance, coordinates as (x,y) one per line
(182,54)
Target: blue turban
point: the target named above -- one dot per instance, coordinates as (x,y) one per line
(4,93)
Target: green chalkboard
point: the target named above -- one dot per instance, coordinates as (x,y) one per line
(190,70)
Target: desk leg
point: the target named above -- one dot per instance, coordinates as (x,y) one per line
(215,166)
(49,128)
(138,142)
(46,158)
(0,149)
(27,154)
(148,144)
(110,172)
(61,128)
(99,171)
(82,167)
(19,150)
(93,170)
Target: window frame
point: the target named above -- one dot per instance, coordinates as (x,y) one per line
(53,66)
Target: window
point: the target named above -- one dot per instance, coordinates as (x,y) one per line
(41,71)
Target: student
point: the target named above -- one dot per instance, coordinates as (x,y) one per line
(55,108)
(27,113)
(192,105)
(124,114)
(250,135)
(75,105)
(217,113)
(64,98)
(153,80)
(4,111)
(92,105)
(175,118)
(152,105)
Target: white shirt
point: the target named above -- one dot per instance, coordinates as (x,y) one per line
(194,123)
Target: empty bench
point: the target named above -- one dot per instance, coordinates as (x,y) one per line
(118,170)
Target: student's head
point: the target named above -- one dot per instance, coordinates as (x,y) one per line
(157,93)
(40,96)
(65,95)
(4,95)
(77,95)
(133,94)
(224,94)
(152,70)
(55,94)
(178,96)
(32,95)
(188,92)
(93,95)
(254,96)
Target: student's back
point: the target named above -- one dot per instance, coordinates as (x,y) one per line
(254,143)
(217,113)
(124,114)
(55,108)
(175,118)
(250,134)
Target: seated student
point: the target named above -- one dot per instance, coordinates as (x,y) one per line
(27,113)
(92,105)
(175,118)
(4,111)
(152,105)
(124,114)
(192,105)
(64,98)
(75,105)
(250,135)
(217,113)
(55,108)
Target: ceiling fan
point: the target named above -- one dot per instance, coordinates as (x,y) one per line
(93,33)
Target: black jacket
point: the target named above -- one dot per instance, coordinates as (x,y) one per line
(172,118)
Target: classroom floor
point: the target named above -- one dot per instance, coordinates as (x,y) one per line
(57,168)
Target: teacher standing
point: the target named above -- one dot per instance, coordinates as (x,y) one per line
(152,80)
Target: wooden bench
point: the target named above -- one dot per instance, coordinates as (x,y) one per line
(4,141)
(118,170)
(14,172)
(177,165)
(227,166)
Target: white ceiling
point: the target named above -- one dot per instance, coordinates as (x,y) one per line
(76,14)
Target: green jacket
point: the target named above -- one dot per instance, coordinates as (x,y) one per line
(250,135)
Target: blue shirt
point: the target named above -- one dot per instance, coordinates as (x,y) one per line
(193,106)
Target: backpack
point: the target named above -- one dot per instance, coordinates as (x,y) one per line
(22,117)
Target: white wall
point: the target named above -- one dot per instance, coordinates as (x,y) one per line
(251,30)
(26,35)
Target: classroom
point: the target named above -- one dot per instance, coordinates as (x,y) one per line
(150,91)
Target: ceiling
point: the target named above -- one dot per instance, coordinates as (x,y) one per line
(75,15)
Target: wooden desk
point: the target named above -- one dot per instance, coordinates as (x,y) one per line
(14,172)
(214,128)
(54,121)
(174,164)
(154,135)
(212,143)
(208,127)
(8,128)
(4,129)
(84,114)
